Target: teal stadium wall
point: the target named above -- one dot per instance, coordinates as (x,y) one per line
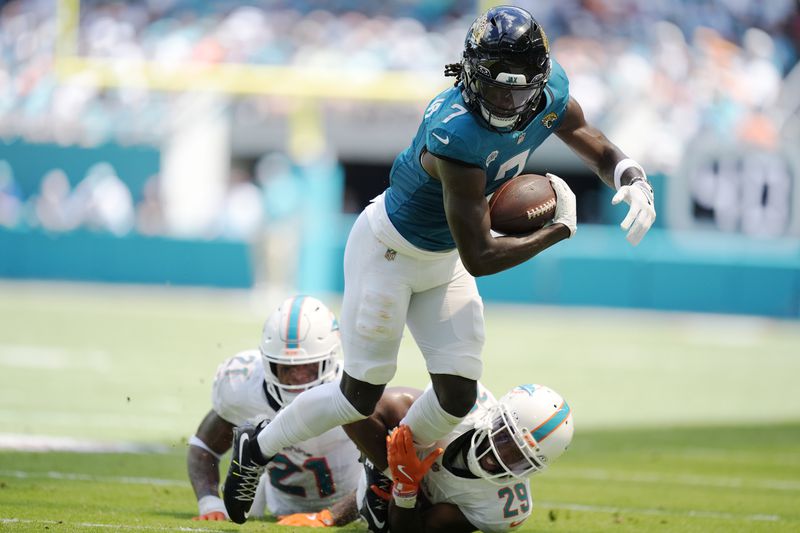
(88,256)
(697,271)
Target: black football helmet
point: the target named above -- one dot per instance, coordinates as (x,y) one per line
(506,66)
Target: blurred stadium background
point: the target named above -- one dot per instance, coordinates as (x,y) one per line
(171,169)
(231,143)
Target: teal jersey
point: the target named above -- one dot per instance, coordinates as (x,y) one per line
(450,130)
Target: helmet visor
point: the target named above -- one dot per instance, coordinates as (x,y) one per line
(504,99)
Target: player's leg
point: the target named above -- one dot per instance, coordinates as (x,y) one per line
(372,321)
(447,323)
(370,437)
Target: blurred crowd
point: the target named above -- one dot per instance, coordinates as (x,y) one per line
(654,74)
(100,201)
(265,196)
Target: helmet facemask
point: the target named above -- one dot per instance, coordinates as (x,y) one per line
(528,429)
(507,451)
(325,370)
(505,98)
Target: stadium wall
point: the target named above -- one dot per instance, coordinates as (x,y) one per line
(670,270)
(89,256)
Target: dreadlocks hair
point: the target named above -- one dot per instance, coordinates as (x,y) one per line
(456,70)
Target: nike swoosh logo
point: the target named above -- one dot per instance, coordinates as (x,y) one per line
(403,471)
(243,440)
(443,140)
(378,523)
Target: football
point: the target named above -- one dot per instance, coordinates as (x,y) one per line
(522,205)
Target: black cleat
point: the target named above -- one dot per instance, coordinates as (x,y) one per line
(243,475)
(374,507)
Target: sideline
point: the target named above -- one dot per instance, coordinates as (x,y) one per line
(106,526)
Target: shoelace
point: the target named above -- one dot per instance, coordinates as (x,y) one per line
(250,477)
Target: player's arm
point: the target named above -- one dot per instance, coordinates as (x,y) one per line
(212,439)
(468,217)
(408,470)
(612,166)
(441,517)
(345,510)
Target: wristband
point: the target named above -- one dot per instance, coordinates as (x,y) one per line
(194,440)
(209,504)
(405,499)
(624,165)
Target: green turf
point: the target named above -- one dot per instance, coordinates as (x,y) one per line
(684,422)
(678,479)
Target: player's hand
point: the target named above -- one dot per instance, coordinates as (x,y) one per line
(407,469)
(323,518)
(211,508)
(566,212)
(214,516)
(642,213)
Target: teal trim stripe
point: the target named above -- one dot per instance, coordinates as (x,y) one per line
(293,328)
(550,425)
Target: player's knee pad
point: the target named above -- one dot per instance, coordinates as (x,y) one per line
(380,316)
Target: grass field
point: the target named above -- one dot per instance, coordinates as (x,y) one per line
(683,422)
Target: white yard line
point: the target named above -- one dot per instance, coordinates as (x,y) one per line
(701,481)
(540,504)
(125,480)
(48,443)
(657,512)
(106,526)
(52,358)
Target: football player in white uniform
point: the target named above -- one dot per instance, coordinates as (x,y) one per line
(312,483)
(475,478)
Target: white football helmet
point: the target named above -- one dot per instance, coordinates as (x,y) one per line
(301,331)
(527,430)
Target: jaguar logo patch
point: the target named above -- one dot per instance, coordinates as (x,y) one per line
(548,120)
(390,254)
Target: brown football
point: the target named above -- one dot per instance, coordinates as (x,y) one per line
(522,204)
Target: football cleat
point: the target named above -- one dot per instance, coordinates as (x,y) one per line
(375,505)
(243,475)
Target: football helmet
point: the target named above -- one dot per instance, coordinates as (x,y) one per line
(301,331)
(506,65)
(521,435)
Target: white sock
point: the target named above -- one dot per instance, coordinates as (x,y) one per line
(428,421)
(311,414)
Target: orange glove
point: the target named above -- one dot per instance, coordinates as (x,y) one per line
(214,516)
(320,519)
(407,469)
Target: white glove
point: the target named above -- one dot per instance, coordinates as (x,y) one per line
(565,204)
(639,195)
(211,508)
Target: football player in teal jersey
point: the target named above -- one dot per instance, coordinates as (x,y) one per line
(413,254)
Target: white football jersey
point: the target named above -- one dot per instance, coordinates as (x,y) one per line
(308,477)
(489,507)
